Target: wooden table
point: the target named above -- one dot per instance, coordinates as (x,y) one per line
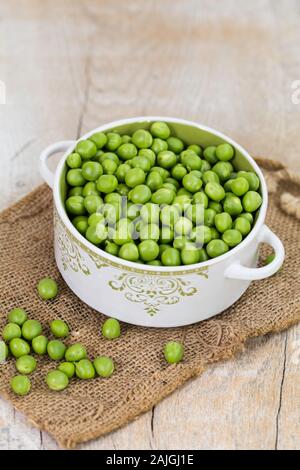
(69,66)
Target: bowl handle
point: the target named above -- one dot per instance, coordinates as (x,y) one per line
(237,271)
(45,172)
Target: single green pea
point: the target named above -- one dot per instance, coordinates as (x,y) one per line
(75,205)
(195,212)
(31,329)
(191,160)
(107,184)
(166,234)
(109,156)
(154,181)
(175,145)
(215,191)
(59,328)
(75,353)
(127,151)
(173,352)
(142,139)
(121,171)
(201,199)
(93,203)
(39,344)
(163,196)
(47,288)
(210,177)
(195,148)
(201,235)
(20,385)
(205,166)
(84,369)
(163,247)
(56,349)
(104,366)
(3,352)
(223,170)
(224,152)
(11,331)
(223,222)
(180,242)
(183,226)
(210,154)
(148,250)
(140,194)
(169,215)
(216,206)
(75,191)
(86,149)
(155,262)
(232,205)
(248,216)
(95,218)
(25,364)
(75,177)
(171,257)
(135,177)
(203,256)
(269,259)
(141,162)
(129,251)
(19,347)
(109,167)
(173,181)
(81,223)
(67,368)
(149,232)
(166,159)
(97,157)
(57,380)
(148,153)
(209,217)
(252,179)
(242,225)
(160,129)
(111,248)
(216,248)
(159,145)
(162,171)
(91,171)
(89,189)
(214,233)
(190,255)
(111,328)
(123,189)
(99,139)
(97,233)
(252,201)
(114,141)
(191,183)
(232,237)
(123,233)
(239,186)
(179,171)
(125,139)
(74,160)
(227,185)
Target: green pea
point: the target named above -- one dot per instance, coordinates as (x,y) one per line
(214,233)
(216,248)
(56,349)
(191,183)
(113,157)
(180,242)
(149,232)
(74,160)
(166,234)
(67,368)
(201,199)
(179,171)
(3,352)
(123,233)
(95,218)
(216,206)
(121,171)
(182,201)
(25,364)
(107,184)
(47,288)
(227,185)
(190,255)
(223,170)
(81,223)
(91,171)
(171,257)
(141,162)
(223,222)
(195,212)
(75,191)
(163,196)
(93,203)
(97,233)
(205,166)
(20,385)
(111,328)
(142,139)
(111,248)
(84,369)
(127,151)
(114,141)
(75,353)
(160,129)
(155,262)
(232,205)
(75,205)
(154,181)
(125,139)
(252,179)
(201,235)
(140,194)
(166,159)
(109,167)
(150,213)
(18,347)
(59,328)
(57,380)
(99,139)
(148,153)
(191,160)
(162,171)
(159,145)
(210,177)
(195,148)
(242,225)
(209,217)
(90,189)
(86,149)
(75,177)
(252,201)
(123,189)
(203,256)
(31,329)
(224,152)
(239,186)
(210,154)
(148,250)
(104,366)
(39,344)
(135,177)
(173,352)
(183,226)
(129,251)
(175,145)
(232,237)
(248,216)
(169,215)
(11,331)
(215,191)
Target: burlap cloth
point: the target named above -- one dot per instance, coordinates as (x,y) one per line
(89,409)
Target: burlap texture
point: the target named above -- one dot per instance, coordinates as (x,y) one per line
(89,409)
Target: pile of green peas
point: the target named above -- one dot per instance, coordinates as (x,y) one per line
(151,199)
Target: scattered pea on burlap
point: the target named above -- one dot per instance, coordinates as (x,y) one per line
(89,409)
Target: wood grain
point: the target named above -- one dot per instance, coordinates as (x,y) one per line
(70,66)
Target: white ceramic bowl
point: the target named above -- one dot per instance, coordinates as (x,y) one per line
(157,296)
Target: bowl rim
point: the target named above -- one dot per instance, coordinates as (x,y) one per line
(144,267)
